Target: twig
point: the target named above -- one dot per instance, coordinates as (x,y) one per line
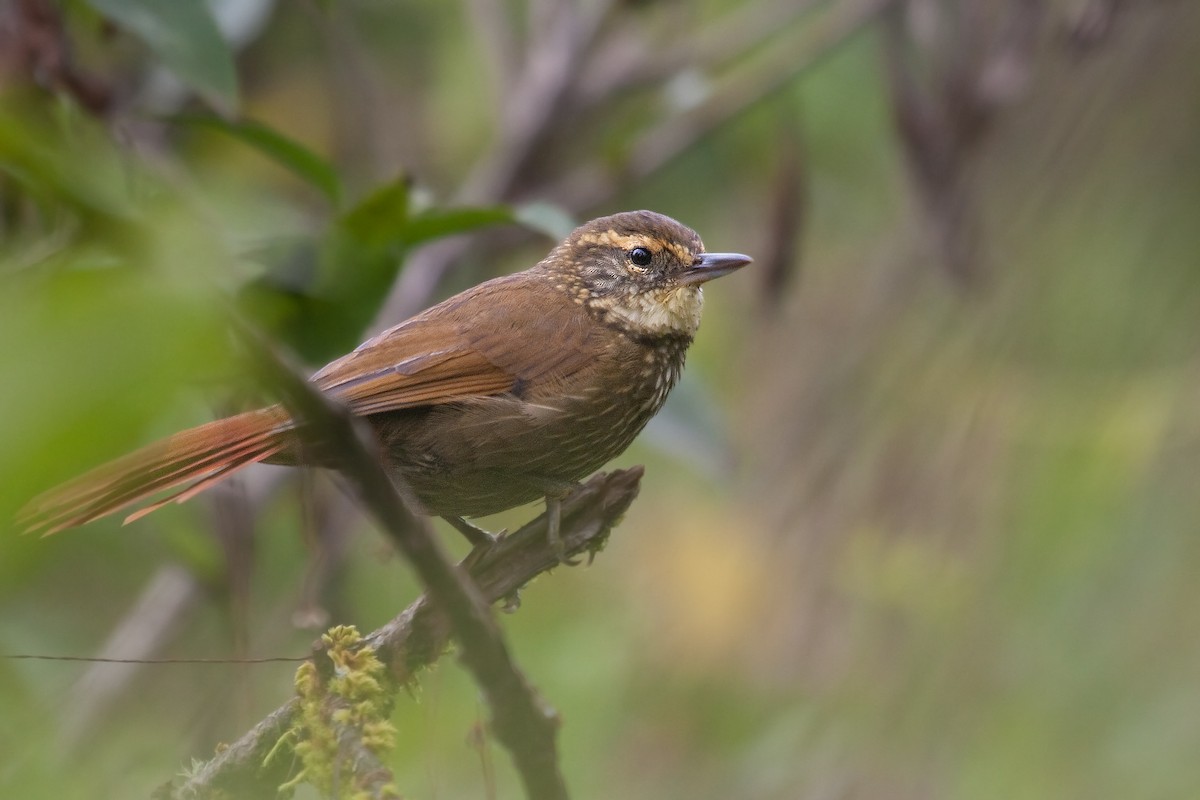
(493,28)
(328,518)
(775,70)
(942,117)
(786,211)
(418,636)
(553,65)
(149,624)
(563,38)
(630,62)
(35,42)
(663,143)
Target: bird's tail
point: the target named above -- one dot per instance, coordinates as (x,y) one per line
(189,461)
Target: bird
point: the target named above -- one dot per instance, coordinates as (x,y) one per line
(513,390)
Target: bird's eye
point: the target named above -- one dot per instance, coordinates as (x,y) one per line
(640,257)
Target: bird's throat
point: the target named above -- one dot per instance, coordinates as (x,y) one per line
(673,311)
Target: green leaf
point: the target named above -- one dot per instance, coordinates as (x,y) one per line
(435,224)
(548,218)
(380,218)
(70,170)
(184,35)
(320,309)
(286,152)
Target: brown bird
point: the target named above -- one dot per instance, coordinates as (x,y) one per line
(513,390)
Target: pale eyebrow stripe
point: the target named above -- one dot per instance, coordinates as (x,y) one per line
(626,242)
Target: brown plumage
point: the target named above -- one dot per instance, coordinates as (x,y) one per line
(512,390)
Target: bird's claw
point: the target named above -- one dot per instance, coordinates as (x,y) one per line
(475,534)
(512,602)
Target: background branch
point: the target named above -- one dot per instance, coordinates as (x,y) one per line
(152,621)
(660,144)
(577,74)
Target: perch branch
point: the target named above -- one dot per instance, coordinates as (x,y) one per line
(372,776)
(417,637)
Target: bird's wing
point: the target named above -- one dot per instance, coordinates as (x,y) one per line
(493,339)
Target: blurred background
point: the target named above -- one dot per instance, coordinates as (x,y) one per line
(922,520)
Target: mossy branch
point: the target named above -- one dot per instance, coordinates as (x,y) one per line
(420,635)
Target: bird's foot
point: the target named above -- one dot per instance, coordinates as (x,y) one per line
(553,529)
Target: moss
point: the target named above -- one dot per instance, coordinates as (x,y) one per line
(357,696)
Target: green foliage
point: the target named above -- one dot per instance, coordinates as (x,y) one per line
(374,222)
(321,297)
(184,35)
(292,155)
(110,283)
(68,173)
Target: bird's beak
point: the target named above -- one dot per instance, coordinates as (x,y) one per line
(713,265)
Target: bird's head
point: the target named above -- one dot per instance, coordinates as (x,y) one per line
(640,271)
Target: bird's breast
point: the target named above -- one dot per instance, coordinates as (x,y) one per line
(486,454)
(594,415)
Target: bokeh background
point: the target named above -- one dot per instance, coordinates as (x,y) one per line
(922,521)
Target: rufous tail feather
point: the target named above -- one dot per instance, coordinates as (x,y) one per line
(193,459)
